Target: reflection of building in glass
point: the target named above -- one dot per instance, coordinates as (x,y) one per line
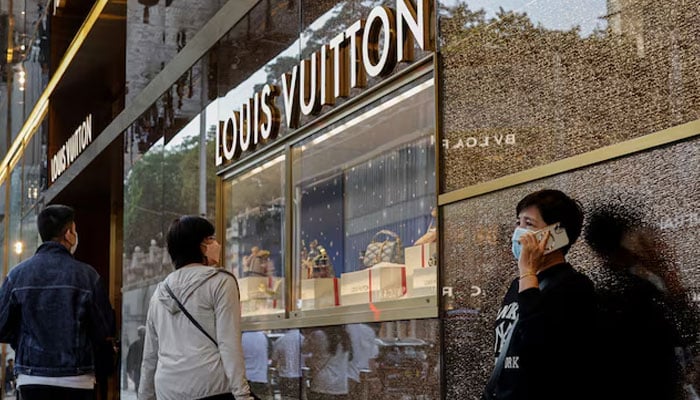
(144,267)
(559,93)
(623,20)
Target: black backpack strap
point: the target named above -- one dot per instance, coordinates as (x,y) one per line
(191,318)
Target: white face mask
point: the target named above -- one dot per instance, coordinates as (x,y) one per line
(74,247)
(212,252)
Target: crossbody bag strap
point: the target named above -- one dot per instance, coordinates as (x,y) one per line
(500,361)
(191,318)
(235,280)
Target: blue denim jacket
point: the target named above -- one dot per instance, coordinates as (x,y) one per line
(53,309)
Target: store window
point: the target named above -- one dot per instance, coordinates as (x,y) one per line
(362,200)
(364,194)
(255,236)
(344,190)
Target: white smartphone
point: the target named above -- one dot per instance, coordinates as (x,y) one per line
(557,237)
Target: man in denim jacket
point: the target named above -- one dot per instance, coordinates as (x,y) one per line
(55,313)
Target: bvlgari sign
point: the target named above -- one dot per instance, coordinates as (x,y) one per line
(66,154)
(369,47)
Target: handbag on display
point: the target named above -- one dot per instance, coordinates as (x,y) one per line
(389,250)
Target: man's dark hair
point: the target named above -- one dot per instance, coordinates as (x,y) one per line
(54,220)
(184,237)
(555,206)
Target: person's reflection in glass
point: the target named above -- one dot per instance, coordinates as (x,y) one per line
(363,339)
(286,357)
(255,353)
(330,353)
(134,356)
(649,326)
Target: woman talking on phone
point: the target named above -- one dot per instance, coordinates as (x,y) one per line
(544,327)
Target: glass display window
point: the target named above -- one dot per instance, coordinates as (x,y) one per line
(254,242)
(364,199)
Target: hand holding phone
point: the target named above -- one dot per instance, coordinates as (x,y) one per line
(557,237)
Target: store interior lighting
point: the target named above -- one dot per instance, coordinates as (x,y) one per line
(21,76)
(371,113)
(18,247)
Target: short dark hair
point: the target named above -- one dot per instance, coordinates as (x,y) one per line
(555,206)
(184,237)
(53,221)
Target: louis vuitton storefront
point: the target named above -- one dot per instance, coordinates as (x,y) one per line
(362,161)
(321,136)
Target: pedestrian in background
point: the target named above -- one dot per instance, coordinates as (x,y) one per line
(10,376)
(288,360)
(134,356)
(363,339)
(330,353)
(256,354)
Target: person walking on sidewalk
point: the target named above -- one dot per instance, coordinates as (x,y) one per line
(193,346)
(56,315)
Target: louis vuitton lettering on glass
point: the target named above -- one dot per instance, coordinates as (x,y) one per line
(254,217)
(364,188)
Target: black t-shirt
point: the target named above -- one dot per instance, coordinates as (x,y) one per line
(549,355)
